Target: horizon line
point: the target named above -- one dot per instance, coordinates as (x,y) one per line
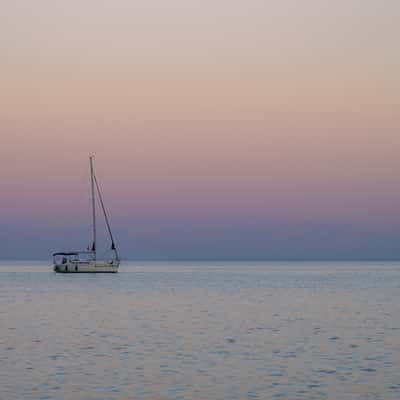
(205,260)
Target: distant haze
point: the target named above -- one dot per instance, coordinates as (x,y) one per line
(221,129)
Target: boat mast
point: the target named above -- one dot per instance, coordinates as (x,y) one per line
(93,208)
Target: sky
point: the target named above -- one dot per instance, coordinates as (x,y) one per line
(220,129)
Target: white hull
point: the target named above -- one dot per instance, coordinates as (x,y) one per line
(91,267)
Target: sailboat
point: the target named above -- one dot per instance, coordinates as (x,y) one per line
(87,261)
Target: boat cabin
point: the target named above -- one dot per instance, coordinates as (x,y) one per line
(72,257)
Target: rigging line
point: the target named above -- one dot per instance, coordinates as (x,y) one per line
(105,215)
(93,207)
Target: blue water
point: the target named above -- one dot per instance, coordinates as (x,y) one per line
(201,331)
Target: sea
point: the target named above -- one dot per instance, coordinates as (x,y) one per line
(201,330)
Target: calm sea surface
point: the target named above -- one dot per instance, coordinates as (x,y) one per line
(201,331)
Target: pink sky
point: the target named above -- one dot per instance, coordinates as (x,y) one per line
(209,110)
